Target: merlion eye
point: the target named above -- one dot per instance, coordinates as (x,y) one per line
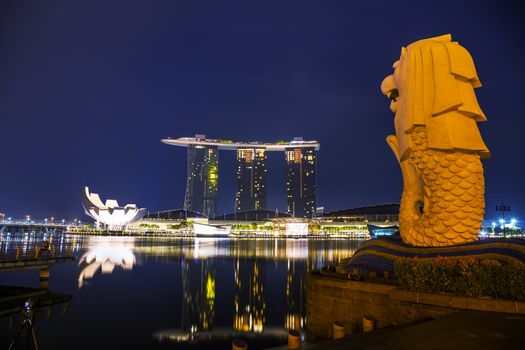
(393,94)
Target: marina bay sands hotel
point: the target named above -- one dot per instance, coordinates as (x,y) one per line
(203,174)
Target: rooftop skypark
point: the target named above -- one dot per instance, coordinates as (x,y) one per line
(222,144)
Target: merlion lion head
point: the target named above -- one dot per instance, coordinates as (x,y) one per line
(437,142)
(433,86)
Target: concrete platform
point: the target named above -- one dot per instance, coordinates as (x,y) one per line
(459,330)
(28,264)
(12,298)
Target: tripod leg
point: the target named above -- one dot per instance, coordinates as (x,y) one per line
(11,320)
(15,338)
(35,343)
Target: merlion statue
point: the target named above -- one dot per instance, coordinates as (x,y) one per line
(437,142)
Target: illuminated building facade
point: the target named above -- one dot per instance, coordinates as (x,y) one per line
(301,183)
(110,214)
(251,179)
(202,180)
(203,175)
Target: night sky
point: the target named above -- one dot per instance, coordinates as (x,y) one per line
(88,89)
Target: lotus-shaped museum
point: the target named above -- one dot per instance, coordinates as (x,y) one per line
(110,214)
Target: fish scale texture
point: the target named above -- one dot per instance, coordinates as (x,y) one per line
(453,191)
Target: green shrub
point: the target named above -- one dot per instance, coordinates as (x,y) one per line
(182,225)
(243,227)
(463,276)
(314,228)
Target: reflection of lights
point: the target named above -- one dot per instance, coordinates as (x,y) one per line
(250,306)
(251,314)
(217,334)
(294,321)
(501,221)
(316,252)
(210,288)
(258,326)
(106,254)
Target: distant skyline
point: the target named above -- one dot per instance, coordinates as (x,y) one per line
(88,90)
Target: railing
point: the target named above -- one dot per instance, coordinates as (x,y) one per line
(34,223)
(19,254)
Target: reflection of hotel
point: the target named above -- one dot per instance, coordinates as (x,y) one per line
(294,296)
(249,301)
(332,252)
(245,284)
(202,181)
(198,288)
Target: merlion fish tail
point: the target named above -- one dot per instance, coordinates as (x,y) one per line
(443,198)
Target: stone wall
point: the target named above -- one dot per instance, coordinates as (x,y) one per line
(331,299)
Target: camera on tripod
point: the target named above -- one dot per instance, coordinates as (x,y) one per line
(27,325)
(28,310)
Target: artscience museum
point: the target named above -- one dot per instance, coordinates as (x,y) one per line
(110,215)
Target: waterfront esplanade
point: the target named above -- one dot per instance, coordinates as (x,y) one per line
(203,173)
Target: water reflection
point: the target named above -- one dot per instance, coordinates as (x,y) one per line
(252,260)
(253,289)
(22,305)
(295,315)
(314,252)
(198,304)
(106,254)
(249,301)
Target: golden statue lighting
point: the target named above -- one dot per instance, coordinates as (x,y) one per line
(437,142)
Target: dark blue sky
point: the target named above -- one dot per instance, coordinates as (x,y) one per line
(88,88)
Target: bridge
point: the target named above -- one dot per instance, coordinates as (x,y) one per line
(36,226)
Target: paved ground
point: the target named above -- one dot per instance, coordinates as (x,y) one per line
(461,330)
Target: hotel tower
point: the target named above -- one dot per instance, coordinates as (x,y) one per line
(203,174)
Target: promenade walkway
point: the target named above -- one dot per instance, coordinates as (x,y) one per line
(32,263)
(460,330)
